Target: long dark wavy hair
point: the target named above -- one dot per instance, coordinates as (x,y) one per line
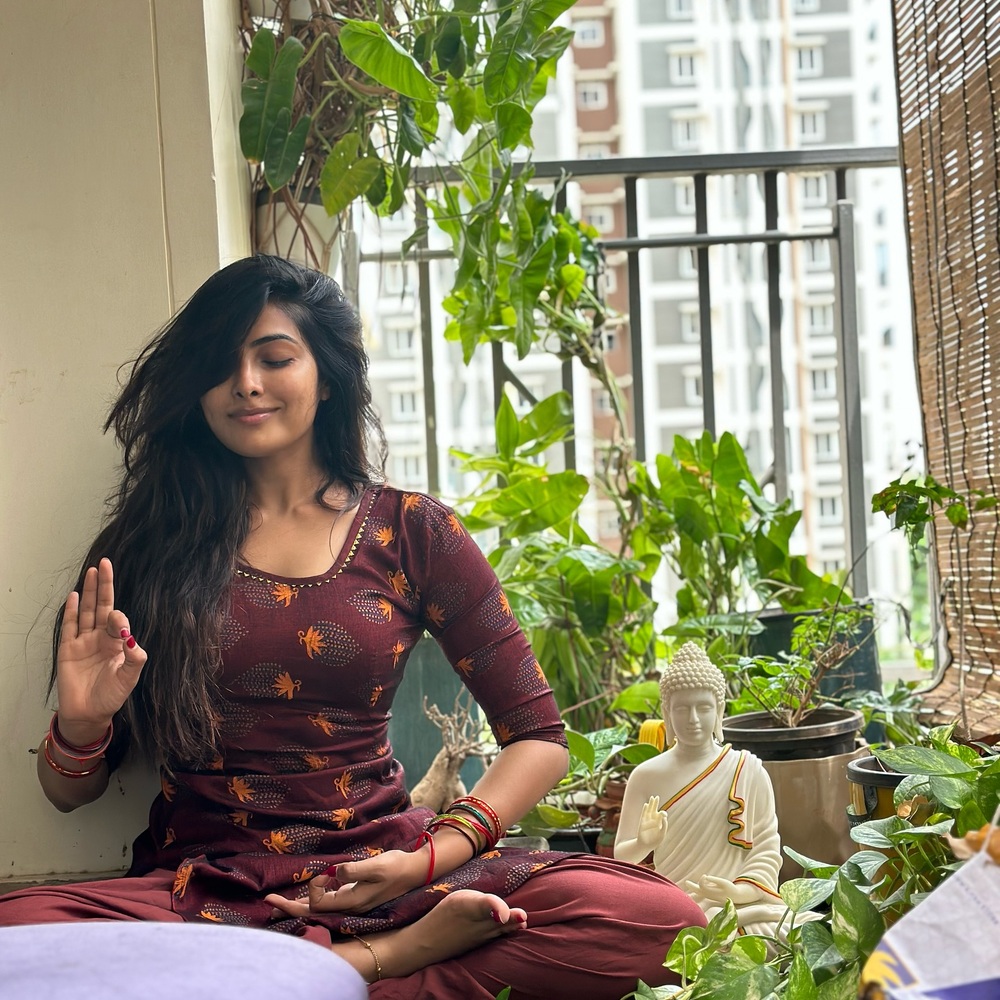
(181,512)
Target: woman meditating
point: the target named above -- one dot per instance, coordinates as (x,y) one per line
(244,619)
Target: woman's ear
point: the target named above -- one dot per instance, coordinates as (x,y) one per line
(324,391)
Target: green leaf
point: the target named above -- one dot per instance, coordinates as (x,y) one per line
(504,994)
(411,138)
(641,698)
(344,176)
(923,760)
(800,981)
(572,277)
(734,976)
(284,149)
(951,792)
(260,58)
(856,924)
(462,102)
(513,125)
(525,287)
(559,819)
(876,832)
(822,869)
(507,428)
(818,948)
(801,894)
(541,502)
(264,100)
(450,45)
(367,45)
(510,65)
(550,420)
(869,862)
(843,986)
(581,748)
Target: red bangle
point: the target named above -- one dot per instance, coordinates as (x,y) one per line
(64,771)
(427,838)
(479,803)
(81,754)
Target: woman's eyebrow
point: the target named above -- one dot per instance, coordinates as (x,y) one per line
(268,337)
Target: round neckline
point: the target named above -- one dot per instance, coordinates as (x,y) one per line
(344,557)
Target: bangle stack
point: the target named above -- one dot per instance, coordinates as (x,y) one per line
(82,755)
(474,819)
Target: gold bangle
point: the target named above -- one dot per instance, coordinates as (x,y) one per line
(378,964)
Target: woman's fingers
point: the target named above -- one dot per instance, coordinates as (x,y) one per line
(71,619)
(105,593)
(88,601)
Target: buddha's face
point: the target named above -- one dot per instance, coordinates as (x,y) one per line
(692,715)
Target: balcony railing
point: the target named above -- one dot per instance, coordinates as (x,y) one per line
(768,168)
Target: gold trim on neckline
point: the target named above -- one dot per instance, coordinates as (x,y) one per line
(259,578)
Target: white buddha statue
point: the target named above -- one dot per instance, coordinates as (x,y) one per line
(704,810)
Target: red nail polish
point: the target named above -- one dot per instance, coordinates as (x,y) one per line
(124,633)
(130,642)
(332,870)
(495,915)
(522,920)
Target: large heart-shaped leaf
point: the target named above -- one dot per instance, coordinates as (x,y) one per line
(284,149)
(345,176)
(366,44)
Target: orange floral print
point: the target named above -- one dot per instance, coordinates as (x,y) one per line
(326,725)
(385,536)
(304,875)
(181,879)
(436,614)
(214,917)
(312,640)
(375,695)
(399,583)
(285,687)
(465,665)
(283,593)
(278,843)
(504,603)
(315,762)
(216,763)
(343,783)
(504,733)
(411,501)
(240,817)
(385,607)
(455,524)
(341,817)
(397,650)
(170,837)
(241,788)
(444,887)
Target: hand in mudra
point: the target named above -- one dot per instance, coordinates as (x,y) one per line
(98,662)
(652,824)
(718,890)
(358,886)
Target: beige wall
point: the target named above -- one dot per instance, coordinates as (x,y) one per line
(121,189)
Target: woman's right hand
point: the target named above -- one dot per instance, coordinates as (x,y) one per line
(98,661)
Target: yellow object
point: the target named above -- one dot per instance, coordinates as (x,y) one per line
(653,731)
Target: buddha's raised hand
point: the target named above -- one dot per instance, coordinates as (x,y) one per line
(652,824)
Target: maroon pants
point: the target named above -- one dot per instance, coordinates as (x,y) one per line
(595,926)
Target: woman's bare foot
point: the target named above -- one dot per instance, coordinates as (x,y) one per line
(463,920)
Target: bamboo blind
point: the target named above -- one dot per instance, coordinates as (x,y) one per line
(948,69)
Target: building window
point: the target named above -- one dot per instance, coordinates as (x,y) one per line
(829,509)
(692,386)
(812,126)
(690,323)
(819,318)
(401,341)
(592,95)
(588,34)
(594,151)
(601,217)
(683,66)
(610,340)
(603,403)
(680,10)
(610,523)
(805,6)
(610,277)
(813,190)
(394,279)
(817,253)
(409,469)
(809,60)
(832,566)
(882,264)
(824,383)
(685,132)
(684,196)
(827,447)
(403,404)
(687,262)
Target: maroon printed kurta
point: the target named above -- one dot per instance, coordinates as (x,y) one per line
(306,776)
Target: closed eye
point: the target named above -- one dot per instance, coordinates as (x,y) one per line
(279,364)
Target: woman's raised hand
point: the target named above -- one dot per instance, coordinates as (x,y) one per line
(98,661)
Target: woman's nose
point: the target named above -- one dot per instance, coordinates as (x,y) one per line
(246,381)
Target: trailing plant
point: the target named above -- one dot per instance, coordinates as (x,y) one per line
(585,610)
(788,686)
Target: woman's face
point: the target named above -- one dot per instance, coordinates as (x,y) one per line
(692,714)
(267,406)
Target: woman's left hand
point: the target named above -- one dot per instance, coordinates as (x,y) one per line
(358,886)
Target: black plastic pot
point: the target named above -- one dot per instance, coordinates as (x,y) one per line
(872,789)
(826,732)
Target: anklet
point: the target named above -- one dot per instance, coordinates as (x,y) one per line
(378,964)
